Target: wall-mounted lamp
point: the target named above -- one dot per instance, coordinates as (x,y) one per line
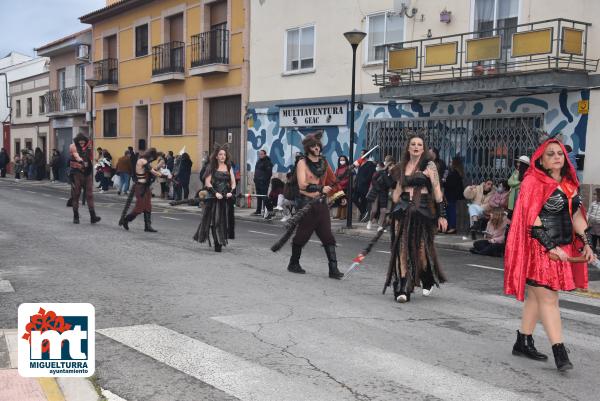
(446,16)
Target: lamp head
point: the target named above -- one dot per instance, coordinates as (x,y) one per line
(354,37)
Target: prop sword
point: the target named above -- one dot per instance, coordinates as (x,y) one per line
(363,254)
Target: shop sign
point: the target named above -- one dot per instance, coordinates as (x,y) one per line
(313,115)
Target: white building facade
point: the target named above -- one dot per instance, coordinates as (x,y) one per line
(480,110)
(29,127)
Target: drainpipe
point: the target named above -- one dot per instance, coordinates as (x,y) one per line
(8,104)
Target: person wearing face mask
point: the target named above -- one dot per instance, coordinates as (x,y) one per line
(514,182)
(479,197)
(342,204)
(378,195)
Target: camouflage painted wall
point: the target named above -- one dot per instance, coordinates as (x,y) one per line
(560,116)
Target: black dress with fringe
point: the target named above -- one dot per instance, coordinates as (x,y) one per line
(414,225)
(215,218)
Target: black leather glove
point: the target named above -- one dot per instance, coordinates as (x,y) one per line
(539,233)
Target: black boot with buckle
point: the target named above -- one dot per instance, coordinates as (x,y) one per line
(561,357)
(524,346)
(332,260)
(294,265)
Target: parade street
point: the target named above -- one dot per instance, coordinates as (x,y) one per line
(177,321)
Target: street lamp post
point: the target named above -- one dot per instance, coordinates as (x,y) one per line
(354,37)
(91,80)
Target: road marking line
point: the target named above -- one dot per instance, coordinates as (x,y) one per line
(263,233)
(388,252)
(50,389)
(5,286)
(31,192)
(63,198)
(110,396)
(486,267)
(169,218)
(332,355)
(46,195)
(225,371)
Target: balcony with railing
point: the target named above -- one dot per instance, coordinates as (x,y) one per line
(168,62)
(66,102)
(210,52)
(107,73)
(537,57)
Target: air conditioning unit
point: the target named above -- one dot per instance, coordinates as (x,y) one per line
(83,52)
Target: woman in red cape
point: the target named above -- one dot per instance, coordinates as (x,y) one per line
(548,222)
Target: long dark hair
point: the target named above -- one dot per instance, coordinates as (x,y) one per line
(398,172)
(340,158)
(213,163)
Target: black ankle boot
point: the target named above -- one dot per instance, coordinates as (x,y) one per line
(93,218)
(294,265)
(332,259)
(561,357)
(148,223)
(75,216)
(125,221)
(403,294)
(218,247)
(524,346)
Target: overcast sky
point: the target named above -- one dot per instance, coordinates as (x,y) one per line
(27,24)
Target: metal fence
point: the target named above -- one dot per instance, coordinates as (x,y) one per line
(487,146)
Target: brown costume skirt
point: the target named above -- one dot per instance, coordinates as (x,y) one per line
(413,248)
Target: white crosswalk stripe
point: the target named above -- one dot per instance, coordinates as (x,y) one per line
(375,362)
(227,372)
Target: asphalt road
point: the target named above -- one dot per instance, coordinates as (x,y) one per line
(177,321)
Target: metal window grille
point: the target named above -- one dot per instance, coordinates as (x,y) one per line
(487,145)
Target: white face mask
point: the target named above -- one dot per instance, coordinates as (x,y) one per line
(500,189)
(342,162)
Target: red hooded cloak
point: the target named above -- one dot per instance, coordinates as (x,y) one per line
(525,257)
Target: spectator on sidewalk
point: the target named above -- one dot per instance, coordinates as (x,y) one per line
(39,162)
(378,195)
(362,183)
(495,235)
(104,168)
(342,203)
(272,200)
(262,177)
(479,198)
(182,176)
(18,167)
(55,163)
(514,182)
(439,163)
(170,160)
(594,221)
(4,160)
(500,197)
(124,171)
(453,191)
